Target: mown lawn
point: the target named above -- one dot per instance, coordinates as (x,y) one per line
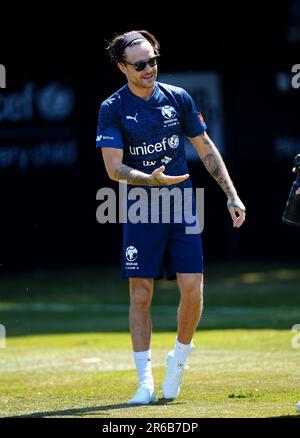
(68,350)
(233,373)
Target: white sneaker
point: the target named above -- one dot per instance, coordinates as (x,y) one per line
(298,406)
(174,375)
(145,394)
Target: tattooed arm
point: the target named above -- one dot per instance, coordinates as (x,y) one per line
(215,165)
(118,171)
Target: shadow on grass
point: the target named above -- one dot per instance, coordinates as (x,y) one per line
(100,409)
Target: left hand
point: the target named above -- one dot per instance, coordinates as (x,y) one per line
(237,211)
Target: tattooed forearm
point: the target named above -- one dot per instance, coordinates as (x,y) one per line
(206,140)
(214,163)
(126,174)
(132,176)
(226,186)
(216,168)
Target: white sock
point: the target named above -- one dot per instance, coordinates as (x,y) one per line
(182,351)
(143,366)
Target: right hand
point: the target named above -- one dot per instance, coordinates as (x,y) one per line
(160,179)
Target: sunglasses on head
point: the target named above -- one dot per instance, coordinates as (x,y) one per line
(141,65)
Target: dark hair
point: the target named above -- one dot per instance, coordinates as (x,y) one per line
(116,46)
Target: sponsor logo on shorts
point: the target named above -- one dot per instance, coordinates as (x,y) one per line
(131,253)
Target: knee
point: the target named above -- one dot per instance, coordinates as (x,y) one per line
(192,286)
(141,293)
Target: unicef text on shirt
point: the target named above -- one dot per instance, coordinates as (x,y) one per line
(160,146)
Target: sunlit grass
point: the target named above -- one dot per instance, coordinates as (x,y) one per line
(68,348)
(243,373)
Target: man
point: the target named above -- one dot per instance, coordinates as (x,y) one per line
(141,132)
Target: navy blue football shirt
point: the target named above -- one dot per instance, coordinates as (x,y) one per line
(150,132)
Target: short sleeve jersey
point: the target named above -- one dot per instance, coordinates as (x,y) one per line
(150,132)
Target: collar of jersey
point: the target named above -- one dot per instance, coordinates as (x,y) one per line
(143,101)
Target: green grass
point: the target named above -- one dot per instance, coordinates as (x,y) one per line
(22,320)
(237,373)
(68,349)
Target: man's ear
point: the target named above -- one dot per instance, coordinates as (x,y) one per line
(122,67)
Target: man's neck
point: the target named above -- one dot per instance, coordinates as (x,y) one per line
(143,93)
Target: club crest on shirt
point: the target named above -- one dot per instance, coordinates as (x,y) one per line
(170,115)
(168,112)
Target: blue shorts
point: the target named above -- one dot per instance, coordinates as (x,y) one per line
(157,250)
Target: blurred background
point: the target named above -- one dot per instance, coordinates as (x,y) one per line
(237,66)
(239,70)
(61,296)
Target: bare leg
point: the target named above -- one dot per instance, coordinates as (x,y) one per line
(190,307)
(189,313)
(141,291)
